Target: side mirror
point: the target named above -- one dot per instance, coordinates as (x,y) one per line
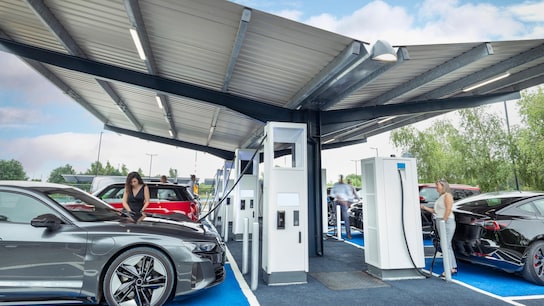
(49,221)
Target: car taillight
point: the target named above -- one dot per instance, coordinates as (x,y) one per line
(422,199)
(490,225)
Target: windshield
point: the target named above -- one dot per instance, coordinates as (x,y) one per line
(82,206)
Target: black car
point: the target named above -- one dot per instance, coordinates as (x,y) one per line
(61,243)
(504,230)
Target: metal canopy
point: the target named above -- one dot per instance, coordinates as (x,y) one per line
(215,72)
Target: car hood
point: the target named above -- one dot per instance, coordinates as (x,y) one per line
(167,226)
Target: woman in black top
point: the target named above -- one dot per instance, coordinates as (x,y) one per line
(136,196)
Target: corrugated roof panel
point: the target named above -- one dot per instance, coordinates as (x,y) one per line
(280,56)
(87,87)
(192,40)
(19,22)
(101,29)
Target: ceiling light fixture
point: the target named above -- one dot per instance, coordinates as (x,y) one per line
(330,140)
(386,119)
(138,43)
(171,134)
(383,51)
(159,101)
(500,77)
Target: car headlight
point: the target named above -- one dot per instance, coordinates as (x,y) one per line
(197,247)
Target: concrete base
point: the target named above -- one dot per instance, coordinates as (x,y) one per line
(394,274)
(285,278)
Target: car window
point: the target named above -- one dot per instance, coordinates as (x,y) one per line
(528,207)
(167,194)
(21,208)
(539,205)
(488,205)
(82,206)
(112,193)
(429,193)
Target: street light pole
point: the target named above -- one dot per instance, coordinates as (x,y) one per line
(373,148)
(355,161)
(510,143)
(98,158)
(150,161)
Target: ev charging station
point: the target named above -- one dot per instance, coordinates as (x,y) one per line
(223,184)
(391,215)
(285,212)
(246,192)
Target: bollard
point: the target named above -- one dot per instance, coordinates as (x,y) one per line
(444,246)
(245,246)
(338,222)
(226,225)
(255,256)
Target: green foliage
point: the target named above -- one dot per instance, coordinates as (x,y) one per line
(475,154)
(528,149)
(172,173)
(98,169)
(355,179)
(12,170)
(56,174)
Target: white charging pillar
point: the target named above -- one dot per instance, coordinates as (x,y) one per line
(246,193)
(223,185)
(285,215)
(392,218)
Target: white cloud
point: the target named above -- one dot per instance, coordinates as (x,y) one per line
(40,155)
(11,117)
(434,22)
(290,14)
(30,86)
(529,12)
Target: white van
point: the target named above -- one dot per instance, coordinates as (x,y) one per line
(99,182)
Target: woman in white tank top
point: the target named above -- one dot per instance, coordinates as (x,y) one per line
(443,211)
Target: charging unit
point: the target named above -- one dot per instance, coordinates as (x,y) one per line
(223,183)
(285,210)
(392,218)
(246,192)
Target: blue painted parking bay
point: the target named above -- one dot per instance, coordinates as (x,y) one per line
(473,284)
(493,281)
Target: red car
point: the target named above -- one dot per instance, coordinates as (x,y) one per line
(165,199)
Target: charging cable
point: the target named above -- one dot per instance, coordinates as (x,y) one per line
(404,227)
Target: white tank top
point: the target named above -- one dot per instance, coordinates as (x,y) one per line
(440,207)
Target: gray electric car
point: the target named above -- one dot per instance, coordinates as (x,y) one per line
(61,243)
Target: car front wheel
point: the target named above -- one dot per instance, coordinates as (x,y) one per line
(140,276)
(533,270)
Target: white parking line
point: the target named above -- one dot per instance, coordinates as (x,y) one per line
(506,300)
(251,298)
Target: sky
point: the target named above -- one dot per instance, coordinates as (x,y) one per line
(44,129)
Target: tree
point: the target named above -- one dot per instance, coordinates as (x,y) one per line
(172,172)
(476,153)
(98,169)
(12,170)
(355,179)
(528,148)
(56,174)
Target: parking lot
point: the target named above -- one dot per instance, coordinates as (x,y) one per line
(340,275)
